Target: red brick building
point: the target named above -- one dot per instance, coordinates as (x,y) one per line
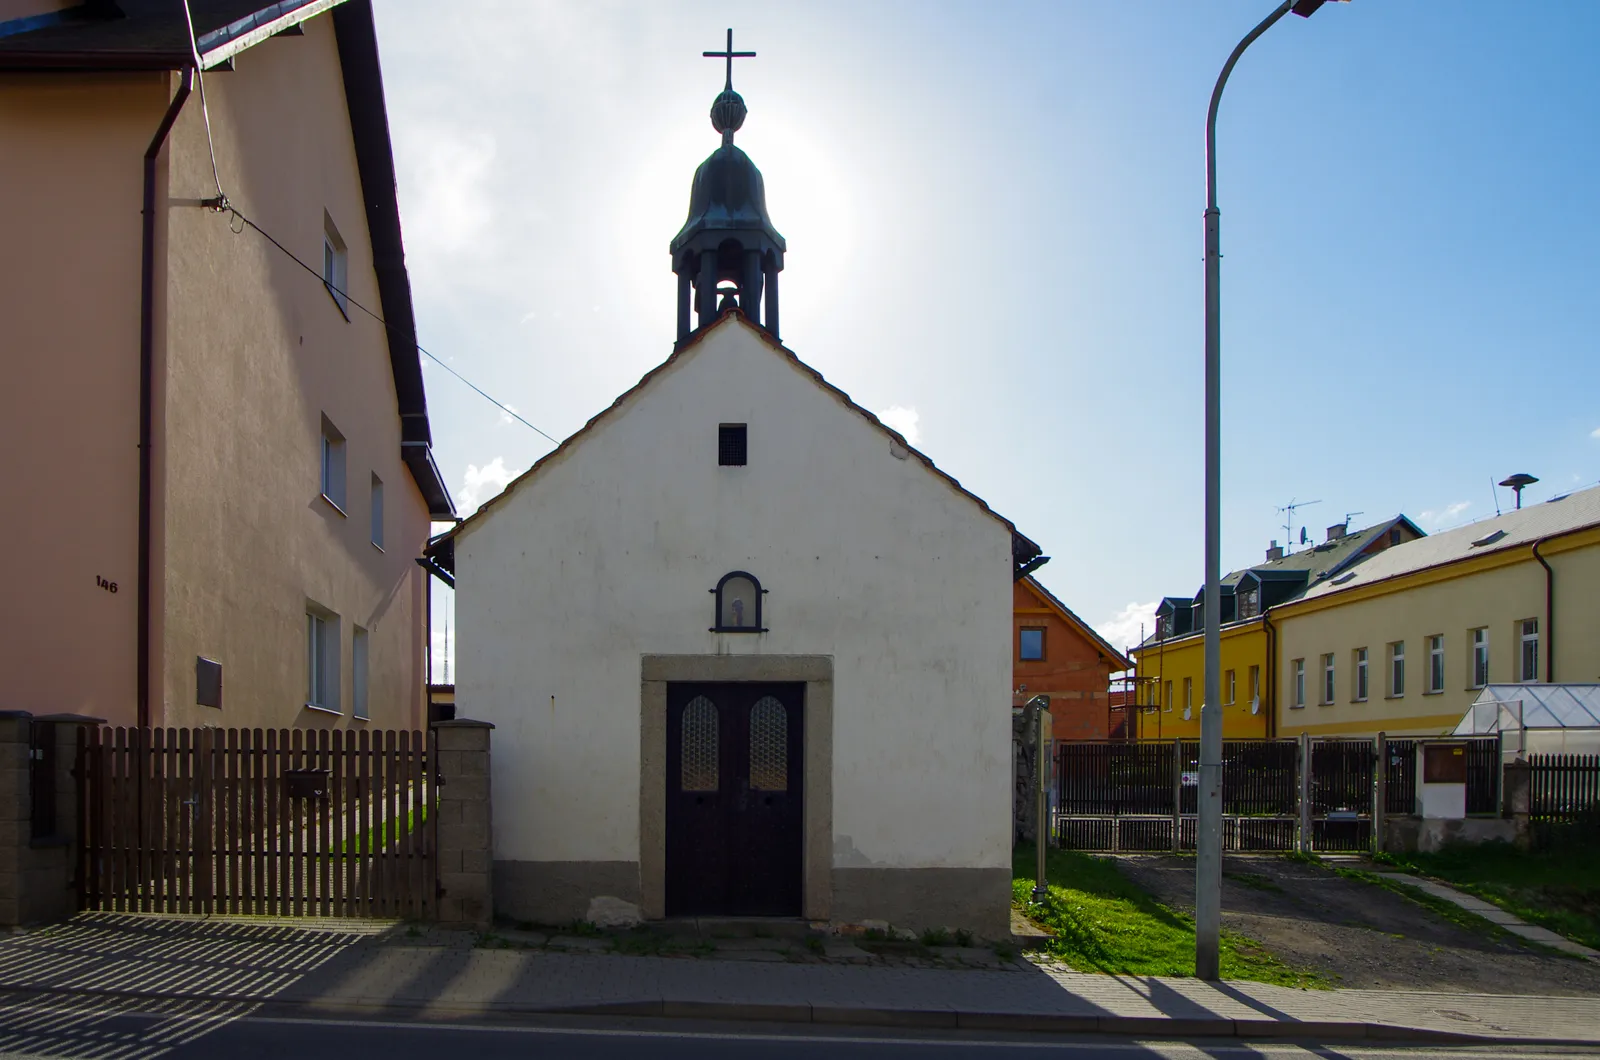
(1058,654)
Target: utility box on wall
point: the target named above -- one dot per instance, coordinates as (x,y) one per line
(1442,780)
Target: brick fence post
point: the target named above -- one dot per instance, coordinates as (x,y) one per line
(38,873)
(465,852)
(14,811)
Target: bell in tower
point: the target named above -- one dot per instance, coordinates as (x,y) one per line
(728,237)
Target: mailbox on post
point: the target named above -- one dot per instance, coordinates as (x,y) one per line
(1442,779)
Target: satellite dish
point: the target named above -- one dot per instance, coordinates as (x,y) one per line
(1303,538)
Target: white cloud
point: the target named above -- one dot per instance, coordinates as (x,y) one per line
(505,415)
(448,205)
(1595,433)
(1122,629)
(905,420)
(481,483)
(1433,519)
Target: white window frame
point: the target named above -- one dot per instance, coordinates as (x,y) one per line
(1230,686)
(1188,697)
(332,472)
(1528,650)
(1397,669)
(1436,663)
(360,645)
(375,512)
(1255,687)
(1297,689)
(322,659)
(1479,677)
(1166,699)
(1328,682)
(335,265)
(1363,680)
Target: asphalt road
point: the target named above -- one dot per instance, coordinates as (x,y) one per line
(72,1028)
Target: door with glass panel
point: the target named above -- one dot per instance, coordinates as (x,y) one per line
(734,805)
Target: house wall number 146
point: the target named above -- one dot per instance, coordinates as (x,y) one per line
(109,587)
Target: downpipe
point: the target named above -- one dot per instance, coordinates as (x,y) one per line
(147,298)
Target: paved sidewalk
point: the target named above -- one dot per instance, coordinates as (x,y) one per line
(1494,914)
(363,968)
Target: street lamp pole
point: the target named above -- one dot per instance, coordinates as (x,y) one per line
(1208,838)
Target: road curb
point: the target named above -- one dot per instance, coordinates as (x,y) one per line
(1149,1027)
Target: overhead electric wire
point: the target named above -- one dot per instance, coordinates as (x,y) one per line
(205,111)
(222,205)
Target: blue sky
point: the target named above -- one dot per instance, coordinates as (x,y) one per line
(994,224)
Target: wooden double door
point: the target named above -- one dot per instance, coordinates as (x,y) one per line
(735,806)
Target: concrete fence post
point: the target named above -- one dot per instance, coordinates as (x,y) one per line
(1177,795)
(1517,798)
(465,848)
(1305,793)
(1380,791)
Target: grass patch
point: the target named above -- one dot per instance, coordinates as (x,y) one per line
(1557,889)
(1102,922)
(386,833)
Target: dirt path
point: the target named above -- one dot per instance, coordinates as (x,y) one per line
(1364,935)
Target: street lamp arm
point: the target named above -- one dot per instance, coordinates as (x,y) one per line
(1216,98)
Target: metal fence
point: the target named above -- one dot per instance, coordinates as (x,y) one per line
(1312,794)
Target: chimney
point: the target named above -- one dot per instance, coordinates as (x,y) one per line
(1337,530)
(1274,553)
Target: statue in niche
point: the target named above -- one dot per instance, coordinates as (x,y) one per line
(738,600)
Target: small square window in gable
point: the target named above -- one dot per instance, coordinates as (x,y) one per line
(732,445)
(1031,645)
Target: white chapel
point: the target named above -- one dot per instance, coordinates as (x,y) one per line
(746,651)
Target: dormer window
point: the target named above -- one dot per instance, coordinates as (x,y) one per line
(1249,597)
(1163,626)
(738,604)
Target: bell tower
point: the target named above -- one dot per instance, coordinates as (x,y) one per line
(728,237)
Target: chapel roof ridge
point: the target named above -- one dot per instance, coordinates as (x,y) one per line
(1021,542)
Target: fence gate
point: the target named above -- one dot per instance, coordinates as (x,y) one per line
(301,822)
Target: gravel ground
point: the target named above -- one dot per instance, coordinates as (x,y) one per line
(1362,935)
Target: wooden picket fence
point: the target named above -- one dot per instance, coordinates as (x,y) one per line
(1563,799)
(279,822)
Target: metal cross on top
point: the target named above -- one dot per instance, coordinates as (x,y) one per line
(729,55)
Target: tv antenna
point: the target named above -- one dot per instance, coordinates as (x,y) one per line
(1349,516)
(1288,526)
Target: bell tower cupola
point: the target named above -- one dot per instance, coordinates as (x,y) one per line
(727,253)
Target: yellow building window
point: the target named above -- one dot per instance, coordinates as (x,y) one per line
(1228,687)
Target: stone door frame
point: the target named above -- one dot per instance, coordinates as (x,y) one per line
(816,673)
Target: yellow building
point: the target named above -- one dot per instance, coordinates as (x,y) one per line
(1402,642)
(1172,662)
